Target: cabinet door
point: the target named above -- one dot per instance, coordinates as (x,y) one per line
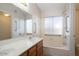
(32,51)
(40,48)
(76,51)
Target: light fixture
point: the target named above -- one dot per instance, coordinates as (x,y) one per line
(6,15)
(25,4)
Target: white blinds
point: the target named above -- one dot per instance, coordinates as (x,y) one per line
(54,25)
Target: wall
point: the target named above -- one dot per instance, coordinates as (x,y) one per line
(54,12)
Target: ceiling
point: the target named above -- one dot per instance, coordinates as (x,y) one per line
(46,7)
(51,7)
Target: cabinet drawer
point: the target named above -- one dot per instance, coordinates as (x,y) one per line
(32,51)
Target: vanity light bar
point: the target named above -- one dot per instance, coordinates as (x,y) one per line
(25,4)
(6,15)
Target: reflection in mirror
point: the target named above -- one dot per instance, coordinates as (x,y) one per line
(28,25)
(5,25)
(34,29)
(15,26)
(21,27)
(14,22)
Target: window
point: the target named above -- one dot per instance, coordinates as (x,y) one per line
(54,25)
(29,26)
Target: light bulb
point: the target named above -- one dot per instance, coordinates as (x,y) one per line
(6,15)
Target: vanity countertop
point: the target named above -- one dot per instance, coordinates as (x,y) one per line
(16,46)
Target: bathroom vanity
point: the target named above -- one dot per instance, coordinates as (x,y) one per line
(36,50)
(22,46)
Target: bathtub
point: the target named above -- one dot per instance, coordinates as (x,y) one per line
(53,46)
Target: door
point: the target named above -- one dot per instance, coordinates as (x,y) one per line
(5,27)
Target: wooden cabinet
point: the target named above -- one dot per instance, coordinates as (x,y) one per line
(32,51)
(40,48)
(36,50)
(24,53)
(76,51)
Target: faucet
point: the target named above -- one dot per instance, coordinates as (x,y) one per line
(30,37)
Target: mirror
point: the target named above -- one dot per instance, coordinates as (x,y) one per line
(19,27)
(14,22)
